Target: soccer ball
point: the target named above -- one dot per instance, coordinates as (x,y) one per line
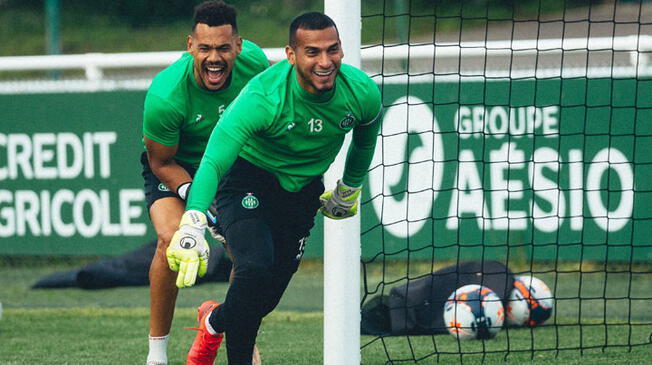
(473,312)
(530,302)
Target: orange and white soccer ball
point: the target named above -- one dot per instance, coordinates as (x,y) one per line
(473,312)
(530,302)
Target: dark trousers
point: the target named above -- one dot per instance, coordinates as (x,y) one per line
(266,229)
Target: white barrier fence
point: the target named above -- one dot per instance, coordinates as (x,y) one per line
(625,56)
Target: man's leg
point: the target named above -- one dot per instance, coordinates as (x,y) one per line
(256,359)
(256,288)
(165,214)
(241,313)
(263,269)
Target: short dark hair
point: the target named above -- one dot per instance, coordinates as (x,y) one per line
(310,21)
(215,13)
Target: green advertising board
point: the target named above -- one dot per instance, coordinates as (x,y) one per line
(70,174)
(542,169)
(545,169)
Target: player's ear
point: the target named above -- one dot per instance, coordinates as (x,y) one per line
(290,54)
(238,44)
(188,43)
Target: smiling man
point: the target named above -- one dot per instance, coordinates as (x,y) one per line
(183,104)
(265,160)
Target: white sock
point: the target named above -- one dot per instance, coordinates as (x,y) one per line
(158,348)
(209,328)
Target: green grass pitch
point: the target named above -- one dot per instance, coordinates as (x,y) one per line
(74,326)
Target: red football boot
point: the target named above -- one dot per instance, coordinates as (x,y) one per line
(204,348)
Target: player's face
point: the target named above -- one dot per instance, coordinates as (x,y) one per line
(317,58)
(214,50)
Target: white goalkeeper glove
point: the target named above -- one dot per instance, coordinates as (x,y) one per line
(340,203)
(188,251)
(183,190)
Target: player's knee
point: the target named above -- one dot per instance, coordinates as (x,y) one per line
(268,305)
(161,247)
(163,239)
(254,269)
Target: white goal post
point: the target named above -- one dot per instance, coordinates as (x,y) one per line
(342,238)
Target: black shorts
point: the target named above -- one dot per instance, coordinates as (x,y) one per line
(154,188)
(248,192)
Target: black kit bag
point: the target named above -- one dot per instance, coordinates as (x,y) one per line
(129,269)
(417,308)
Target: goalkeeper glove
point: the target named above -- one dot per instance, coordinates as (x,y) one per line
(213,227)
(340,203)
(188,251)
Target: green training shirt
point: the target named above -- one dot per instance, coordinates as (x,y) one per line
(180,112)
(280,127)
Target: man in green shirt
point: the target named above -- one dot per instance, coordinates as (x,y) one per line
(183,104)
(265,160)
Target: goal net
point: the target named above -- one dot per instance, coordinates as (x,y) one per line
(518,134)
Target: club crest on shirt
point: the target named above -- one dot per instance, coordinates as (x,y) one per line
(250,201)
(347,121)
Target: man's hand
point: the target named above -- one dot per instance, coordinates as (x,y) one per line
(340,203)
(188,251)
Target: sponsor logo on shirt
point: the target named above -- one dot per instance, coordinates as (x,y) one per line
(250,201)
(199,118)
(162,187)
(347,121)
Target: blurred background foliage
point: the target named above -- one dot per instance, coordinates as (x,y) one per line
(162,25)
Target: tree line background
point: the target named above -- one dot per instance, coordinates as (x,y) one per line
(160,25)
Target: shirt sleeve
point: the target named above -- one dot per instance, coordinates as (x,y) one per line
(211,169)
(365,135)
(237,124)
(161,122)
(372,105)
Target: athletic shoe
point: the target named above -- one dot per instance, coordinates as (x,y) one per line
(204,348)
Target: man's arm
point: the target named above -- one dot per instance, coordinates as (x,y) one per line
(342,201)
(218,158)
(237,124)
(247,115)
(361,152)
(365,134)
(161,160)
